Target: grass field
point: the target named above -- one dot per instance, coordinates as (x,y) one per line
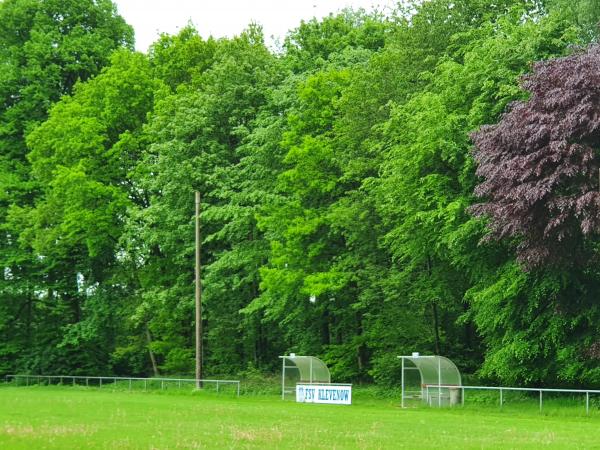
(55,417)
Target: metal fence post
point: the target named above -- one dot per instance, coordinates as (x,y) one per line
(541,400)
(501,399)
(401,383)
(587,403)
(283,378)
(440,384)
(238,388)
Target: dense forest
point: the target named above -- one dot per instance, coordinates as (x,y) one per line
(422,180)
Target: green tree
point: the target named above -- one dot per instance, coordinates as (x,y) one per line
(196,134)
(81,157)
(428,175)
(45,48)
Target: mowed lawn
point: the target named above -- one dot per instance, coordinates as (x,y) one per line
(87,418)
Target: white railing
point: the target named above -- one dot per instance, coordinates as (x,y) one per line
(131,382)
(430,397)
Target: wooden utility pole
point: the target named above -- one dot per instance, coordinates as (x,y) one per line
(198,298)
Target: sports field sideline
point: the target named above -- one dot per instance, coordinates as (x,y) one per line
(58,417)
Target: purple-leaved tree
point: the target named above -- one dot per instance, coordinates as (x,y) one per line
(540,165)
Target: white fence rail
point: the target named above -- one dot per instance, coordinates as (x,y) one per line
(130,382)
(433,391)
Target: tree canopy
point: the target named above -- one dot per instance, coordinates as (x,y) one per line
(424,180)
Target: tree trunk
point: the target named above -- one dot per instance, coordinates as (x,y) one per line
(436,324)
(325,329)
(360,350)
(152,358)
(436,327)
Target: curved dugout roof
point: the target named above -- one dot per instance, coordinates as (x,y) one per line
(310,369)
(436,370)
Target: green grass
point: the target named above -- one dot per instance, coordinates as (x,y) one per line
(55,417)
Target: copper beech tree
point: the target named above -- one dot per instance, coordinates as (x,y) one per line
(540,165)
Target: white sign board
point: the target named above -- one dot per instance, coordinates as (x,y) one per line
(337,394)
